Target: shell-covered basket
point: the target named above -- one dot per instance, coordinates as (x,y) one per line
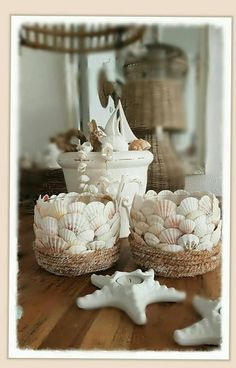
(76,233)
(176,233)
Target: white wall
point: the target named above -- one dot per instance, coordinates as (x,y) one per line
(42,92)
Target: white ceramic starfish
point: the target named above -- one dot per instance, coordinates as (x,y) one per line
(208,330)
(130,292)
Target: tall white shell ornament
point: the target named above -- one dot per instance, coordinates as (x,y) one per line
(130,292)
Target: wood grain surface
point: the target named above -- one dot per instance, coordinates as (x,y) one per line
(51,319)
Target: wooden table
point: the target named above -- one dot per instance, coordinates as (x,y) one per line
(51,319)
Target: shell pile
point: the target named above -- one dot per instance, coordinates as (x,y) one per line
(177,221)
(72,223)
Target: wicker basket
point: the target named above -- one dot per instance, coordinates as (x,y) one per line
(168,264)
(75,264)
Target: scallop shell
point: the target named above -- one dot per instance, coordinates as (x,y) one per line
(200,229)
(137,215)
(188,241)
(187,226)
(96,245)
(67,235)
(201,220)
(165,208)
(61,195)
(111,242)
(109,210)
(205,205)
(49,225)
(76,207)
(214,217)
(44,209)
(97,222)
(140,227)
(170,235)
(149,207)
(150,194)
(106,237)
(77,249)
(137,202)
(151,239)
(194,215)
(71,197)
(74,222)
(154,219)
(102,230)
(207,245)
(37,217)
(187,206)
(173,221)
(165,194)
(57,209)
(57,244)
(39,244)
(215,237)
(94,209)
(85,237)
(180,194)
(40,235)
(155,229)
(171,248)
(210,228)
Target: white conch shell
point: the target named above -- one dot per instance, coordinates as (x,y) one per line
(96,245)
(67,235)
(49,225)
(109,210)
(37,217)
(188,241)
(165,208)
(173,221)
(85,237)
(57,209)
(77,249)
(57,244)
(171,248)
(137,215)
(187,206)
(215,237)
(170,235)
(148,207)
(102,230)
(140,227)
(154,219)
(187,226)
(151,239)
(74,222)
(76,207)
(155,229)
(97,222)
(94,209)
(206,205)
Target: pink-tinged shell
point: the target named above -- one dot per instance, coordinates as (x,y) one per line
(94,209)
(39,244)
(149,207)
(155,219)
(170,236)
(156,229)
(171,248)
(49,225)
(37,217)
(216,235)
(151,239)
(187,206)
(57,244)
(206,205)
(102,230)
(165,208)
(187,226)
(109,210)
(85,237)
(141,227)
(67,235)
(74,222)
(76,207)
(173,221)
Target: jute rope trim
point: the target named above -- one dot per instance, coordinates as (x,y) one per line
(174,264)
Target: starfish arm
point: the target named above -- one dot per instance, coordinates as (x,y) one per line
(136,311)
(98,299)
(100,281)
(165,294)
(204,306)
(200,333)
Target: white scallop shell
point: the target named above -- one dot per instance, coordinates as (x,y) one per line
(94,209)
(39,244)
(210,228)
(97,222)
(194,215)
(71,197)
(96,245)
(200,229)
(215,237)
(155,229)
(102,230)
(201,220)
(171,248)
(150,194)
(187,226)
(76,207)
(40,235)
(106,236)
(85,236)
(166,194)
(180,194)
(140,227)
(57,244)
(61,195)
(77,249)
(109,210)
(57,209)
(49,225)
(148,207)
(165,208)
(137,215)
(188,241)
(137,202)
(187,206)
(74,222)
(151,239)
(170,235)
(67,235)
(173,221)
(207,245)
(214,217)
(205,205)
(154,219)
(111,242)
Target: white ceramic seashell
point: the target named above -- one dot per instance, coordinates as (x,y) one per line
(67,235)
(165,208)
(96,245)
(94,209)
(109,210)
(137,215)
(102,230)
(74,222)
(205,205)
(171,248)
(170,235)
(37,217)
(85,237)
(57,244)
(155,229)
(187,226)
(49,225)
(97,222)
(154,219)
(140,227)
(148,207)
(215,237)
(151,239)
(173,221)
(194,215)
(57,209)
(187,206)
(188,241)
(76,207)
(77,249)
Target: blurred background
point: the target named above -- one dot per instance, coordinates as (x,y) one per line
(169,80)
